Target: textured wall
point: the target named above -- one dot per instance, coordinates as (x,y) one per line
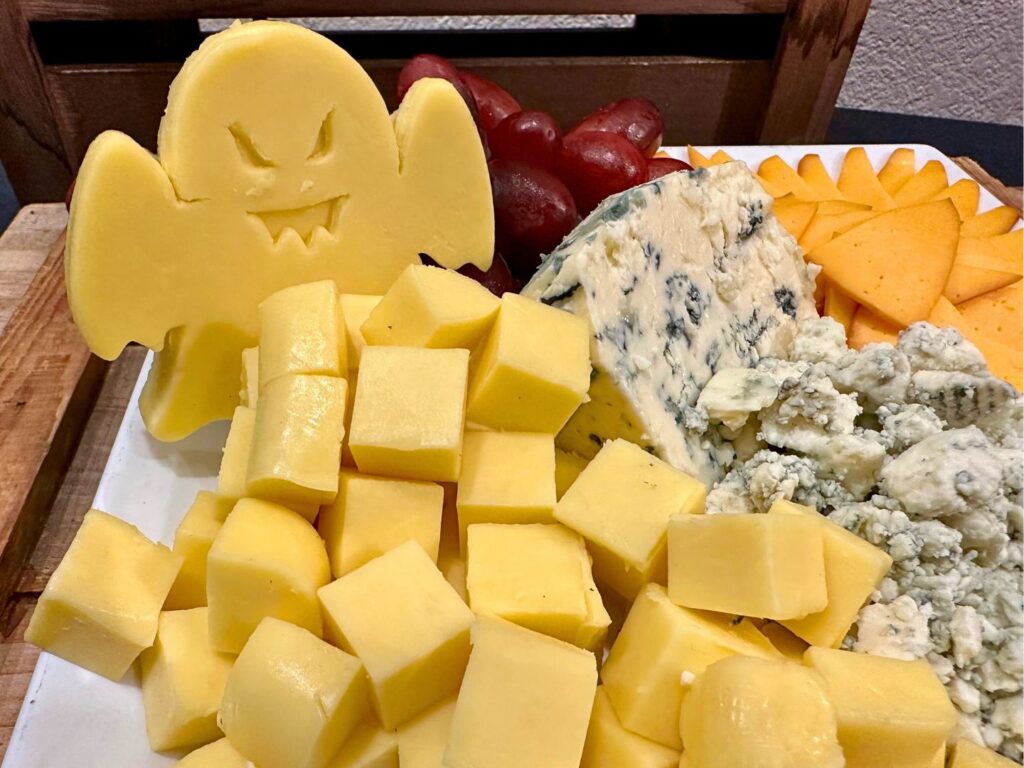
(943,58)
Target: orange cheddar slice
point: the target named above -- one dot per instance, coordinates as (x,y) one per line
(858,182)
(794,215)
(998,221)
(869,328)
(998,314)
(965,195)
(777,173)
(923,185)
(813,171)
(897,170)
(839,306)
(1003,361)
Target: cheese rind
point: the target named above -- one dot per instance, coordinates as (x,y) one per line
(676,279)
(101,607)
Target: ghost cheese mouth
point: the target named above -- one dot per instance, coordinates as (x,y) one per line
(303,221)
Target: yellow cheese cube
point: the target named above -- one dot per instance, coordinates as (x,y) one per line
(101,607)
(296,443)
(525,701)
(658,644)
(291,699)
(219,754)
(567,468)
(355,308)
(234,466)
(745,711)
(192,541)
(301,332)
(406,624)
(769,566)
(409,412)
(266,561)
(183,681)
(347,459)
(531,575)
(369,746)
(374,514)
(534,369)
(891,712)
(249,393)
(853,570)
(449,553)
(965,754)
(609,745)
(507,477)
(432,307)
(788,644)
(621,504)
(939,758)
(422,741)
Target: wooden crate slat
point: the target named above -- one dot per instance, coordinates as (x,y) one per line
(61,10)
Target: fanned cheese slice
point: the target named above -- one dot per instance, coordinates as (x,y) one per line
(783,180)
(839,306)
(898,262)
(1003,361)
(813,171)
(965,195)
(677,279)
(897,170)
(794,215)
(965,283)
(998,314)
(998,221)
(923,185)
(823,228)
(1004,253)
(858,182)
(832,207)
(869,328)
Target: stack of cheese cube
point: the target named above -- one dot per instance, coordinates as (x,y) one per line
(399,569)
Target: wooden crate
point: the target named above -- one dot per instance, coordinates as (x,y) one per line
(777,84)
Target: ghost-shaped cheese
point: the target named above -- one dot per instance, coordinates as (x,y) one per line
(277,164)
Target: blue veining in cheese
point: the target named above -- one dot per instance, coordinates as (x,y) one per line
(678,278)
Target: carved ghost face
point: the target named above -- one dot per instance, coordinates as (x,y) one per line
(280,127)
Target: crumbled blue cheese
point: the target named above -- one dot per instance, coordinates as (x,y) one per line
(917,449)
(678,278)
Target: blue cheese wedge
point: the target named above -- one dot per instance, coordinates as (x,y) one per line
(678,278)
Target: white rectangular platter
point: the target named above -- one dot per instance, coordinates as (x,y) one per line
(71,717)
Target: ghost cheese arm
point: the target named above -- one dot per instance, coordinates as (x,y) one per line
(123,214)
(444,170)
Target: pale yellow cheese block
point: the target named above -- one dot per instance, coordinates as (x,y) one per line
(506,477)
(891,713)
(658,644)
(302,177)
(407,625)
(746,711)
(568,467)
(249,389)
(621,504)
(355,308)
(534,369)
(431,307)
(301,332)
(853,570)
(219,754)
(296,441)
(375,514)
(183,679)
(291,700)
(369,746)
(609,745)
(966,754)
(410,412)
(423,740)
(768,566)
(234,464)
(525,701)
(265,561)
(192,541)
(101,607)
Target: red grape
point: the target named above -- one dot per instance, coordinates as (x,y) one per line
(637,120)
(531,136)
(533,211)
(662,166)
(498,279)
(594,165)
(429,65)
(493,101)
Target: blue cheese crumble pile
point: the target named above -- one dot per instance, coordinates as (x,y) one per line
(678,279)
(917,449)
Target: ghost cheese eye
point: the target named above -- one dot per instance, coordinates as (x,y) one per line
(247,149)
(324,139)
